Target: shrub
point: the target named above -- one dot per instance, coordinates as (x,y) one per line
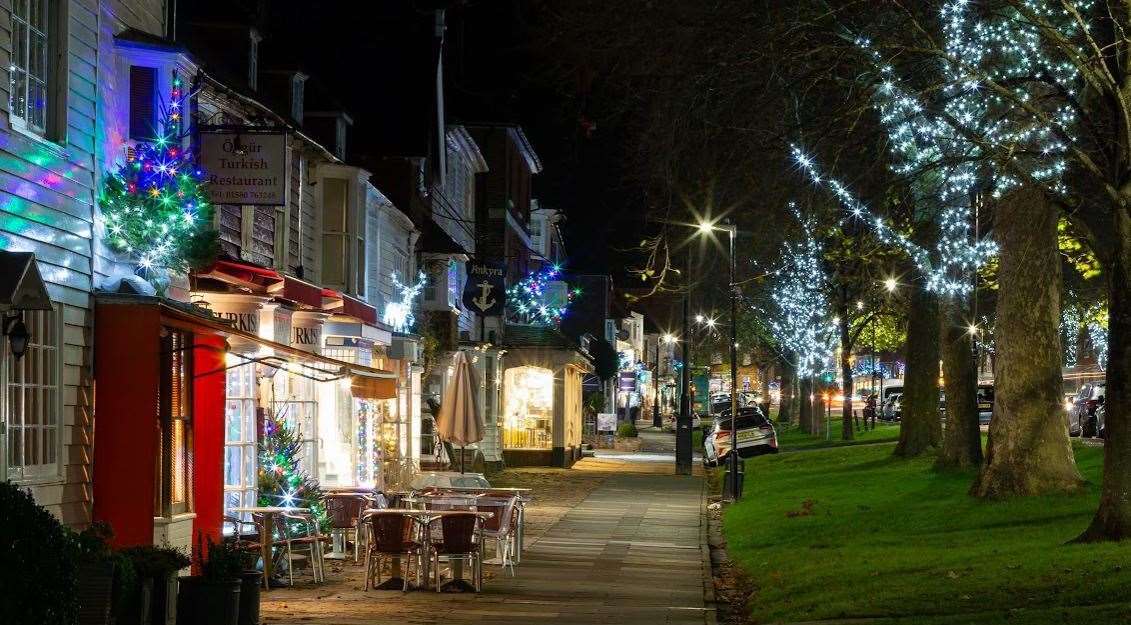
(149,561)
(627,430)
(37,579)
(224,563)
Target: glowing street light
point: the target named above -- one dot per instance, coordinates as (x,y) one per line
(890,285)
(669,339)
(698,318)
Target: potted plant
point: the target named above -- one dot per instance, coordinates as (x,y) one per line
(95,574)
(37,579)
(250,580)
(153,596)
(627,437)
(213,597)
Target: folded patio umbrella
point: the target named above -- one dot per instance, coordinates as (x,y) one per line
(459,421)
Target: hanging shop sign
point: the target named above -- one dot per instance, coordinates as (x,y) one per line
(485,290)
(627,381)
(248,168)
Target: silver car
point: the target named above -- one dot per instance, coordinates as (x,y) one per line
(756,436)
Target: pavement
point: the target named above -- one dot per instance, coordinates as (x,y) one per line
(631,551)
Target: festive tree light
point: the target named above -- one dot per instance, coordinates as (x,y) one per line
(800,319)
(154,209)
(282,479)
(400,314)
(528,299)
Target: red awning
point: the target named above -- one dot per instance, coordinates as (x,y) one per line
(358,310)
(242,274)
(301,292)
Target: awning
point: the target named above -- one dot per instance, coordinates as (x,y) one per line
(365,386)
(242,274)
(358,310)
(299,292)
(21,286)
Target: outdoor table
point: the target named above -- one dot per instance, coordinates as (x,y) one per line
(267,534)
(425,518)
(524,497)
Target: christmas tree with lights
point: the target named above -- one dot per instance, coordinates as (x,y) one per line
(529,300)
(282,479)
(154,207)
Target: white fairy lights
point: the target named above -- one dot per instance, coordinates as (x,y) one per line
(800,321)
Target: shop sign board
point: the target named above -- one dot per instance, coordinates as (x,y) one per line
(246,168)
(306,331)
(627,381)
(606,422)
(484,292)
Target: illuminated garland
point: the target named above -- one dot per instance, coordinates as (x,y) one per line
(282,480)
(154,207)
(527,298)
(399,315)
(800,320)
(1091,321)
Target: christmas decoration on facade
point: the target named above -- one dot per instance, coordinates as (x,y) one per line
(154,207)
(399,314)
(540,298)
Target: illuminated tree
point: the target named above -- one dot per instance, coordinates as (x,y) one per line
(283,480)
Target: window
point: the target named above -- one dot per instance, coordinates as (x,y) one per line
(334,224)
(37,73)
(240,439)
(30,387)
(174,468)
(143,87)
(455,286)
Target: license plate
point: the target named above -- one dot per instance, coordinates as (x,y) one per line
(749,436)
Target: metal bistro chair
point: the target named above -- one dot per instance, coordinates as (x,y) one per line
(500,527)
(390,534)
(240,538)
(345,519)
(300,533)
(460,540)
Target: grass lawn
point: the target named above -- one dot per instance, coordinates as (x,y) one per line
(851,532)
(792,437)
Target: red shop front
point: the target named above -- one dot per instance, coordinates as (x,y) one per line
(159,415)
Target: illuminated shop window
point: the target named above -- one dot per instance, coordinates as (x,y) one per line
(530,408)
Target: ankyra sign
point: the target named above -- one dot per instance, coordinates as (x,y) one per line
(245,168)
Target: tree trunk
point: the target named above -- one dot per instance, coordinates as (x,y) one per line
(1113,517)
(847,428)
(1029,451)
(920,430)
(805,405)
(962,437)
(785,393)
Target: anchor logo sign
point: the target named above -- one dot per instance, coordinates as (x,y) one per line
(484,299)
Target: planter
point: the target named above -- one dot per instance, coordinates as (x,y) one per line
(249,597)
(627,444)
(95,592)
(137,610)
(207,602)
(163,602)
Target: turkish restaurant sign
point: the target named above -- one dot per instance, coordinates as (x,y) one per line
(245,168)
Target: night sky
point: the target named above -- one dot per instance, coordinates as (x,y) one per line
(372,61)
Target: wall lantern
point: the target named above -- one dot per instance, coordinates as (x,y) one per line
(21,288)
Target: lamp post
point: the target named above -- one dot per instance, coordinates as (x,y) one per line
(683,423)
(731,230)
(657,422)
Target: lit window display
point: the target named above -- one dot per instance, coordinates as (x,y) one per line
(530,408)
(378,434)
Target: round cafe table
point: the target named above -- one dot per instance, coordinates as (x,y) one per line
(267,533)
(425,519)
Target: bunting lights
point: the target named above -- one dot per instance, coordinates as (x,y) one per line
(154,207)
(399,314)
(534,301)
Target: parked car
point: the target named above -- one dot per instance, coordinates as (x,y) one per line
(1082,412)
(449,479)
(755,433)
(985,403)
(892,410)
(1101,412)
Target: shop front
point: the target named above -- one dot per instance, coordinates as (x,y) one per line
(542,399)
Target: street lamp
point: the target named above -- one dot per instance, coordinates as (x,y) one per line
(731,230)
(890,284)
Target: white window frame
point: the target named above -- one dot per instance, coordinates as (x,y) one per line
(40,472)
(248,444)
(19,118)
